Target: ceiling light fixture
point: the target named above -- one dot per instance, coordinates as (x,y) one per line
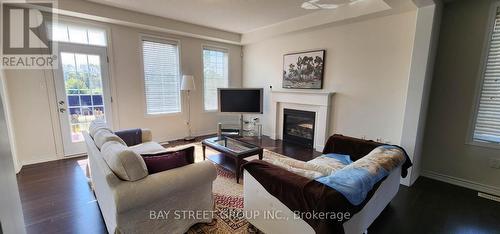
(316,5)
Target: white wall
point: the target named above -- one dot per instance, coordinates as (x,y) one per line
(32,96)
(31,117)
(447,154)
(422,62)
(11,216)
(367,64)
(128,81)
(8,120)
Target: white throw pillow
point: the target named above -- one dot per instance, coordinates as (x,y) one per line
(104,135)
(125,163)
(150,147)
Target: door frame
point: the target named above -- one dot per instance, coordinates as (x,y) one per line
(64,129)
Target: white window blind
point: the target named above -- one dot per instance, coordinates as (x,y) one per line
(487,126)
(215,75)
(161,76)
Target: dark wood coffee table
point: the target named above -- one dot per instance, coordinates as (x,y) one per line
(231,153)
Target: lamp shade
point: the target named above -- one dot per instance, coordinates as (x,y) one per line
(187,83)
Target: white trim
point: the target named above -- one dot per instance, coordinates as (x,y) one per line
(205,132)
(462,182)
(51,76)
(111,62)
(488,196)
(115,15)
(72,148)
(209,46)
(318,102)
(165,40)
(82,23)
(18,167)
(42,159)
(480,79)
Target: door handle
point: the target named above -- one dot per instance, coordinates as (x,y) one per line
(62,110)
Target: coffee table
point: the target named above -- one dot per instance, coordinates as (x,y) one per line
(231,153)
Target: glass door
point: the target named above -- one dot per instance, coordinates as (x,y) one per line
(82,86)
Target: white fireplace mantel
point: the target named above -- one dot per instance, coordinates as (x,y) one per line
(314,101)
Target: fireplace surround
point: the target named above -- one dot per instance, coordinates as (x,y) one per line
(298,127)
(318,102)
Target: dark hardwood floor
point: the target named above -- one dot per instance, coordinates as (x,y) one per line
(56,198)
(431,206)
(278,146)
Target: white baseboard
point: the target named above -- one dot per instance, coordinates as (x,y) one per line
(18,167)
(39,160)
(204,133)
(462,182)
(319,148)
(52,158)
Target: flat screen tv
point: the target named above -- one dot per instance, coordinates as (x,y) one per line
(240,100)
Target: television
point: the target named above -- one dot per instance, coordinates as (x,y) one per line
(240,100)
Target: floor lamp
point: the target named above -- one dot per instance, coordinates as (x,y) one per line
(187,85)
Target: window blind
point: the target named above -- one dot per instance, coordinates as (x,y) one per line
(215,75)
(487,126)
(161,77)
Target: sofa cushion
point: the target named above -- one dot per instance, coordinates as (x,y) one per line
(150,147)
(105,135)
(147,135)
(131,137)
(97,125)
(166,161)
(125,163)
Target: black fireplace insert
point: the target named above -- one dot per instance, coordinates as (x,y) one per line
(298,127)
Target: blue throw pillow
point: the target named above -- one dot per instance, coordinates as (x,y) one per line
(343,158)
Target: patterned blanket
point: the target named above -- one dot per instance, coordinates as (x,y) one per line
(321,166)
(354,180)
(358,178)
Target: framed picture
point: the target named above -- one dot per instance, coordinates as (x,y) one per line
(304,70)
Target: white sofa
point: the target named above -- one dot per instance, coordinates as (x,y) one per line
(257,198)
(127,205)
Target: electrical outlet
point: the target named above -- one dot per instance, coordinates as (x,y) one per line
(494,163)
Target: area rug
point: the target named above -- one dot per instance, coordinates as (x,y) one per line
(228,196)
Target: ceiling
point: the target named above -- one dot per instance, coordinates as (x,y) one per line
(239,16)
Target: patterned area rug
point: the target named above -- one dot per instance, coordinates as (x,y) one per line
(228,196)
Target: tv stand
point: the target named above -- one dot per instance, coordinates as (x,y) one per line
(237,130)
(241,126)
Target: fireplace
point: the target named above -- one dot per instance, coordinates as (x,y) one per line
(298,127)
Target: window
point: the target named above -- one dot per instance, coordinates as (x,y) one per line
(487,122)
(215,75)
(161,76)
(79,34)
